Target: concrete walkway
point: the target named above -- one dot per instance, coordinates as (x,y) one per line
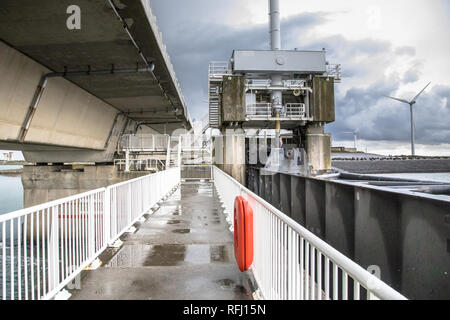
(182,251)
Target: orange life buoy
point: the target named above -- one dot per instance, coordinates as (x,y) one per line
(243,233)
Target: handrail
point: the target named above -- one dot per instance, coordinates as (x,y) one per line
(44,247)
(43,206)
(282,245)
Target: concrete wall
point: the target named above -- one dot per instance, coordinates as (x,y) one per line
(66,114)
(46,183)
(233,146)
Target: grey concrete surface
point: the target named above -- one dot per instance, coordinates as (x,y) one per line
(83,110)
(47,183)
(183,250)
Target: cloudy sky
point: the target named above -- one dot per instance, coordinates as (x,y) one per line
(385,47)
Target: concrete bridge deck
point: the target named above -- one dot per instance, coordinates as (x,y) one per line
(71,93)
(183,250)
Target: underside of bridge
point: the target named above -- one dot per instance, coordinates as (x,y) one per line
(67,94)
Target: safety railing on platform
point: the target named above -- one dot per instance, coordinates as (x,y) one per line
(295,110)
(43,248)
(144,142)
(292,263)
(140,164)
(259,110)
(264,111)
(219,68)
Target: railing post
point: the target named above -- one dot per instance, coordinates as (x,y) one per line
(107,215)
(168,154)
(127,160)
(53,250)
(91,226)
(130,207)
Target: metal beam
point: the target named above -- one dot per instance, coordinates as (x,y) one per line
(43,83)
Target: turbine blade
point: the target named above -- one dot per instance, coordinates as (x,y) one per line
(401,100)
(414,100)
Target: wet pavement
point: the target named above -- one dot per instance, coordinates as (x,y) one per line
(184,250)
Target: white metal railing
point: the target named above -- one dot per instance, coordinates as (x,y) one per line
(290,262)
(45,247)
(149,164)
(259,110)
(335,71)
(131,199)
(196,149)
(264,84)
(143,142)
(219,68)
(264,111)
(295,110)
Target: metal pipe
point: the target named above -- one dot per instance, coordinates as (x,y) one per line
(44,80)
(274,13)
(275,44)
(32,109)
(127,30)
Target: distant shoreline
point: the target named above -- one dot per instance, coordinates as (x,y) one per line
(11,172)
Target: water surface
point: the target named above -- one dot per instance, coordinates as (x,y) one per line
(11,191)
(438,177)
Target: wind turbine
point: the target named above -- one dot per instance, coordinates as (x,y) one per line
(411,103)
(355,136)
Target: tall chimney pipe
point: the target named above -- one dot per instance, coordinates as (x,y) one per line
(274,13)
(275,44)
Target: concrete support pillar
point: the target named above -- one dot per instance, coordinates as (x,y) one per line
(234,154)
(318,147)
(46,183)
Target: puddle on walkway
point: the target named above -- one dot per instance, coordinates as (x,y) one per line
(170,255)
(230,285)
(181,231)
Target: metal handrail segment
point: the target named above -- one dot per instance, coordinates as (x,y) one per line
(290,262)
(43,248)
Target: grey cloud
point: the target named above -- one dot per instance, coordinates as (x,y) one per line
(411,75)
(192,43)
(379,118)
(406,50)
(193,39)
